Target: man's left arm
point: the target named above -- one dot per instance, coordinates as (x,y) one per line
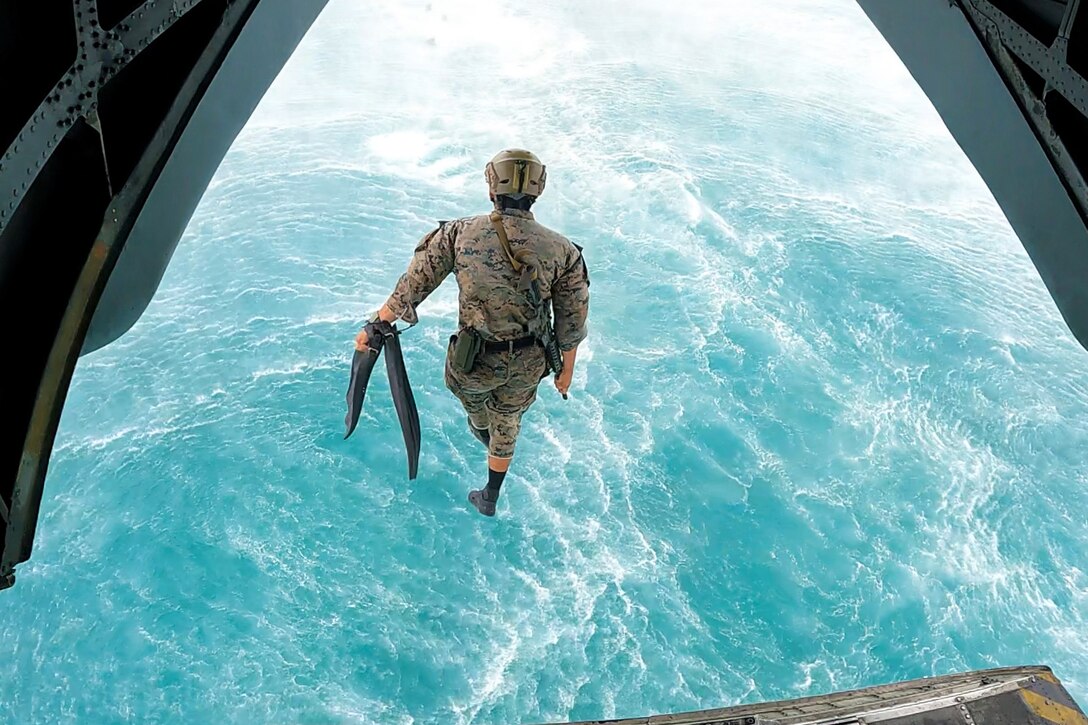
(431,263)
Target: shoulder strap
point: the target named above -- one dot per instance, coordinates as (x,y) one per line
(528,271)
(496,221)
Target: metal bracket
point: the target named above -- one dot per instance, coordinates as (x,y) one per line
(1006,40)
(1067,20)
(101,54)
(1049,63)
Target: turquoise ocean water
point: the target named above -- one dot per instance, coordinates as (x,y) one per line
(828,429)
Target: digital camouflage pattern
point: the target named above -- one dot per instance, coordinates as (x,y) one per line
(498,391)
(503,385)
(489,299)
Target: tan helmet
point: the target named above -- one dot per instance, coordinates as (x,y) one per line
(515,173)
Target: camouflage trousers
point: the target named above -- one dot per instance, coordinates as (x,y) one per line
(498,390)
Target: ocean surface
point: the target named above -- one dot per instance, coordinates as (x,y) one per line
(828,429)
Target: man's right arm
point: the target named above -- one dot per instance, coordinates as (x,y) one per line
(570,302)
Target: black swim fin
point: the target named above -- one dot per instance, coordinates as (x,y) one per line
(362,366)
(403,400)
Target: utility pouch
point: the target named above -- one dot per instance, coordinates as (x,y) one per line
(466,348)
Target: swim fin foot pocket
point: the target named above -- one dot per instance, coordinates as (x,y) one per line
(385,336)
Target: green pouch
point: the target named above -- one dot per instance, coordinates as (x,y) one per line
(466,348)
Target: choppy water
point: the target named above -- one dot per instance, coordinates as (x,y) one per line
(828,429)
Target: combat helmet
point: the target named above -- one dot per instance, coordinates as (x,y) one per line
(515,173)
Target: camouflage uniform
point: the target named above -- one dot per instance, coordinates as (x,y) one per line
(502,385)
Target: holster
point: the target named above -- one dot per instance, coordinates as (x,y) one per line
(552,353)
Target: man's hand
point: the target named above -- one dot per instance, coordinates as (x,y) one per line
(385,315)
(563,379)
(361,340)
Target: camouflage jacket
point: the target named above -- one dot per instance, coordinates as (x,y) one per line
(490,301)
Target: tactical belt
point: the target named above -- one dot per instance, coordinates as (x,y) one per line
(510,345)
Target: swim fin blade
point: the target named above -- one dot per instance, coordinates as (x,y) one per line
(362,366)
(404,401)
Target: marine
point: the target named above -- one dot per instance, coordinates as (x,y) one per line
(523,306)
